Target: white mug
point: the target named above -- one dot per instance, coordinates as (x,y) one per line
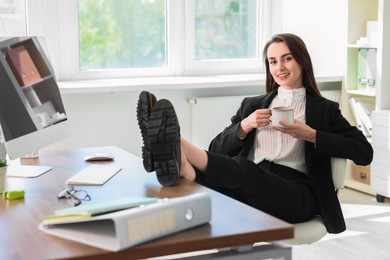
(282,114)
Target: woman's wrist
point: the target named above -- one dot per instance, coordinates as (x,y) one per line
(313,136)
(241,132)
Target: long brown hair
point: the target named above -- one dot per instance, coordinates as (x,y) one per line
(300,53)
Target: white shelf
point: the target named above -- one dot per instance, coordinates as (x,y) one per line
(360,46)
(362,92)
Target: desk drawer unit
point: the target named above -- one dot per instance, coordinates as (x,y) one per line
(380,167)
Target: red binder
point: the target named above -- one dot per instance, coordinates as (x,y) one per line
(22,66)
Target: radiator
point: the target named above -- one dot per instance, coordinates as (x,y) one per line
(210,115)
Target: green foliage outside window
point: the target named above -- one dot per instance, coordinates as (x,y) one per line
(133,33)
(225,29)
(122,33)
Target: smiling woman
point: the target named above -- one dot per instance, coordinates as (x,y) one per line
(283,67)
(285,171)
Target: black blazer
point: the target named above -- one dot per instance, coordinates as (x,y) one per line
(335,138)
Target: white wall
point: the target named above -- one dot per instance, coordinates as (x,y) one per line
(110,118)
(322,25)
(100,119)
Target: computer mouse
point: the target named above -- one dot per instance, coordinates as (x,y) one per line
(98,157)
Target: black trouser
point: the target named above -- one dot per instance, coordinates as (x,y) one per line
(278,190)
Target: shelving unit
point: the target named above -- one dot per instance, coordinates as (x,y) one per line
(380,172)
(359,12)
(27,80)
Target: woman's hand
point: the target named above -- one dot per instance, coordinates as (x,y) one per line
(260,117)
(298,130)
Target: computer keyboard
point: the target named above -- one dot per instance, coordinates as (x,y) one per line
(93,175)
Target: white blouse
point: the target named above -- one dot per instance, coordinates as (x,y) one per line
(277,147)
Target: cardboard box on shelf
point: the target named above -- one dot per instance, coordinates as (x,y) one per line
(362,173)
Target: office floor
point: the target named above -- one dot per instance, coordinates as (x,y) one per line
(367,235)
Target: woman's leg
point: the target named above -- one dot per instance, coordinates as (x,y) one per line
(288,195)
(196,156)
(192,157)
(288,199)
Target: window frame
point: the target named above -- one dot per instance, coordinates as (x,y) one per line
(62,39)
(225,66)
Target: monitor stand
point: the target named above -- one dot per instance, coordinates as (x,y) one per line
(14,169)
(24,171)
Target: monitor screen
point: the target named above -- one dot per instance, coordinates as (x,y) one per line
(32,114)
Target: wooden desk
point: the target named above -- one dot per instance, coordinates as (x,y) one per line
(233,224)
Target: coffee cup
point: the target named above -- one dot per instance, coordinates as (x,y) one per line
(285,114)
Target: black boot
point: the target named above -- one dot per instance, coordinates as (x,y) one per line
(164,137)
(145,105)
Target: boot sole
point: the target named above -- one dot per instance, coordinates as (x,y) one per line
(145,104)
(163,133)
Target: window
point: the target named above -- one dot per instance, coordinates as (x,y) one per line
(125,34)
(226,35)
(225,29)
(12,18)
(140,38)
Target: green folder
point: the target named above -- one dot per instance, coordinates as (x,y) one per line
(98,208)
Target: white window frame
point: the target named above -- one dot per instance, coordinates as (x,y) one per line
(60,30)
(69,63)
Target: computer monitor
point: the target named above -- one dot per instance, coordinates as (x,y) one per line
(32,114)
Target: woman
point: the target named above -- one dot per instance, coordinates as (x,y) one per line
(284,171)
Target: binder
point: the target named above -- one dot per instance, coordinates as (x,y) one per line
(362,114)
(366,68)
(365,116)
(22,66)
(125,228)
(359,123)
